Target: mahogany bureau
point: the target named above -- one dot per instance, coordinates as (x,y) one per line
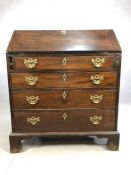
(64,84)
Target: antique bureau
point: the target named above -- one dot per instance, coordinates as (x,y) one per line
(64,84)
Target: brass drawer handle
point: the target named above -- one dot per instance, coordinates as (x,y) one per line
(98,62)
(64,95)
(97,79)
(64,61)
(30,63)
(96,120)
(32,99)
(31,80)
(64,116)
(63,32)
(64,77)
(96,98)
(33,120)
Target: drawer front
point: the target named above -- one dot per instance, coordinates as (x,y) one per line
(64,80)
(56,99)
(90,63)
(64,121)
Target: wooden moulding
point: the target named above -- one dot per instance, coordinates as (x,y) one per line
(16,138)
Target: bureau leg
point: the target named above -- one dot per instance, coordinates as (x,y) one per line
(15,144)
(113,142)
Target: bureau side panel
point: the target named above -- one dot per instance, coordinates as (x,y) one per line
(9,61)
(118,66)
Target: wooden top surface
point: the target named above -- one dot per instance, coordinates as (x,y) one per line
(55,41)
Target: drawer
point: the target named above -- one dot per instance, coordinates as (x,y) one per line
(90,63)
(64,121)
(56,99)
(64,80)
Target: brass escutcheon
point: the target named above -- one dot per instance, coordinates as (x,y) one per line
(64,95)
(64,61)
(97,79)
(96,98)
(98,62)
(30,63)
(96,120)
(32,99)
(64,116)
(33,120)
(64,77)
(31,80)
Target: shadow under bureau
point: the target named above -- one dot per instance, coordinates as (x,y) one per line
(64,84)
